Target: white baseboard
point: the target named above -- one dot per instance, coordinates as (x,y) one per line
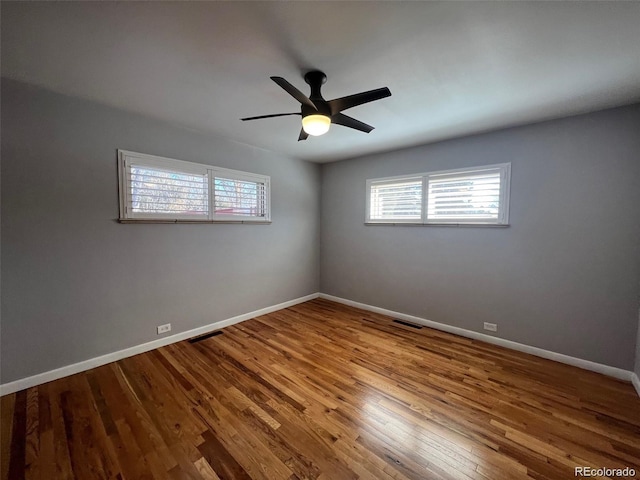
(65,371)
(145,347)
(636,382)
(539,352)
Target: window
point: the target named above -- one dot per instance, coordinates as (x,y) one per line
(469,196)
(162,189)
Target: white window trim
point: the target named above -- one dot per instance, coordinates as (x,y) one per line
(505,193)
(125,158)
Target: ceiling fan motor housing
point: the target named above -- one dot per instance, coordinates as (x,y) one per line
(316,79)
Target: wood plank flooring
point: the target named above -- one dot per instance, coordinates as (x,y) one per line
(325,391)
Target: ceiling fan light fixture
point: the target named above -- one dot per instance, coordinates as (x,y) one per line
(316,125)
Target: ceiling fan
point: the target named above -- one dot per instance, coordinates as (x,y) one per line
(317,113)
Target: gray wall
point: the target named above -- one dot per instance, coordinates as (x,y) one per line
(77,284)
(564,276)
(637,366)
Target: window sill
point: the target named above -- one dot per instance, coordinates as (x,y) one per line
(402,224)
(161,220)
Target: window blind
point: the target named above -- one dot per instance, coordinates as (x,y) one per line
(397,200)
(238,197)
(166,192)
(472,196)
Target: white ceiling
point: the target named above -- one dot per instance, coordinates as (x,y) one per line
(454,68)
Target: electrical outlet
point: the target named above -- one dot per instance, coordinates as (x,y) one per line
(164,328)
(492,327)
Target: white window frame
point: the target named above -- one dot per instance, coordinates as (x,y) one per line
(503,213)
(127,158)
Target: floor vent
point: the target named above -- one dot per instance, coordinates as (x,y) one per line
(205,336)
(407,324)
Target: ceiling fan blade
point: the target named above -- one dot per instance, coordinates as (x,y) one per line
(345,121)
(339,104)
(270,116)
(294,92)
(303,135)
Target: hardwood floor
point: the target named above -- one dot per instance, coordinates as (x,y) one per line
(321,390)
